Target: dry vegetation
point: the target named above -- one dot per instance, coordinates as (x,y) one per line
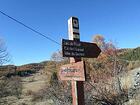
(105,84)
(10,87)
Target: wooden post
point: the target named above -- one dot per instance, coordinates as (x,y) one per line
(75,49)
(77,86)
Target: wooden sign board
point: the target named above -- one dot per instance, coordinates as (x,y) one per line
(73,71)
(71,48)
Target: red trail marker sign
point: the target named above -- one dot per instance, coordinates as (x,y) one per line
(73,71)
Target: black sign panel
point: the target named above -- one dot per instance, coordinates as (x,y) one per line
(71,48)
(75,22)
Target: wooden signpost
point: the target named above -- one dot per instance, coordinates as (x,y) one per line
(75,49)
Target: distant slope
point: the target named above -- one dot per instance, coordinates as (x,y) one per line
(10,70)
(130,54)
(27,68)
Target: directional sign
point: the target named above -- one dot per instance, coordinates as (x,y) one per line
(71,48)
(74,71)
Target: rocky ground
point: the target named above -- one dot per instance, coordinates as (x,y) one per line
(131,80)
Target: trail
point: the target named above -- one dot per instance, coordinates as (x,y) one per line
(34,82)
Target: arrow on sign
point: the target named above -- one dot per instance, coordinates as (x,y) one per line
(71,48)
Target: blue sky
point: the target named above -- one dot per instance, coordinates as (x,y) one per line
(116,20)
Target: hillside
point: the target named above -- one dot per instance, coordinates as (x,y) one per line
(39,83)
(9,70)
(130,54)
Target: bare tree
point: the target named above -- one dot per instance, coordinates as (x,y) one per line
(57,56)
(104,86)
(56,91)
(4,58)
(104,94)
